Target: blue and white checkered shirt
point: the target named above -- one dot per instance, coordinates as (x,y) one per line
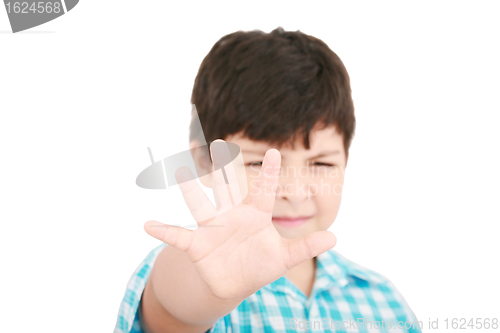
(346,297)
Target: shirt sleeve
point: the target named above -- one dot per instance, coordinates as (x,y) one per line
(128,320)
(410,322)
(128,317)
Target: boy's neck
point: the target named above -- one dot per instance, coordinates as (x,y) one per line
(303,276)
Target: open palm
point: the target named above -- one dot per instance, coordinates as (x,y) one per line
(247,252)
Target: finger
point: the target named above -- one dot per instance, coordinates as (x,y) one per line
(221,194)
(220,156)
(177,237)
(237,178)
(263,191)
(233,169)
(199,204)
(301,249)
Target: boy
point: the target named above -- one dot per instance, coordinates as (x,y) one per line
(271,268)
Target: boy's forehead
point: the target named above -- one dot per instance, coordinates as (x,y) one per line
(319,139)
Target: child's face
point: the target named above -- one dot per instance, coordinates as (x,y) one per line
(310,181)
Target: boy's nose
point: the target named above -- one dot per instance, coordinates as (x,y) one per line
(293,189)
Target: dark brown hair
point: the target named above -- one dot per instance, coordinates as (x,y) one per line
(272,87)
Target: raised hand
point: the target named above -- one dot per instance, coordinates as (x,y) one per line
(246,252)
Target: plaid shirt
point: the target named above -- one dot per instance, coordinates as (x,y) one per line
(346,297)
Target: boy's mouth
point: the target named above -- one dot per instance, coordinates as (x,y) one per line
(291,221)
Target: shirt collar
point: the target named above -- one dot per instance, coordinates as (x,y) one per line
(352,269)
(332,270)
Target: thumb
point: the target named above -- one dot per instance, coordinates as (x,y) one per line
(307,247)
(177,237)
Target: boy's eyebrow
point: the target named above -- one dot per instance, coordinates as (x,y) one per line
(322,154)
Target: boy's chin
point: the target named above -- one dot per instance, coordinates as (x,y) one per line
(291,232)
(296,232)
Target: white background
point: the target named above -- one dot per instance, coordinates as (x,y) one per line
(82,97)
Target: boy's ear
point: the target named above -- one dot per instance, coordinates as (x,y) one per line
(202,163)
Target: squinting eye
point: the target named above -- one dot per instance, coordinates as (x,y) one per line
(322,164)
(254,164)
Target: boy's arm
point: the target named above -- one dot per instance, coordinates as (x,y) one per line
(141,316)
(175,299)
